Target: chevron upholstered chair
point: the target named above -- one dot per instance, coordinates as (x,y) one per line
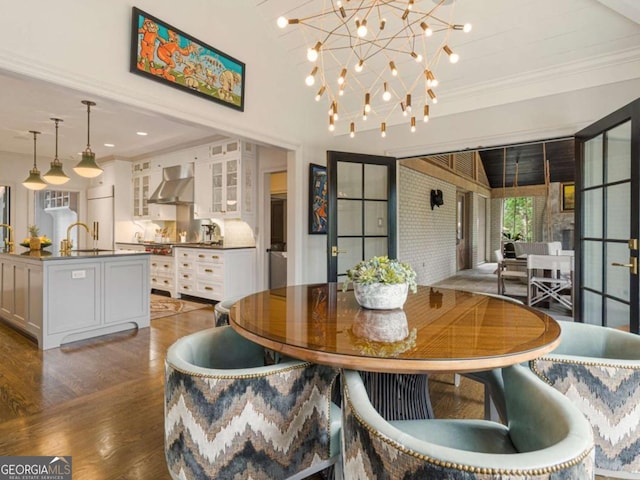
(598,369)
(546,438)
(227,416)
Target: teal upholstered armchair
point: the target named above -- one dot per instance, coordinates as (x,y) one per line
(546,438)
(598,369)
(229,416)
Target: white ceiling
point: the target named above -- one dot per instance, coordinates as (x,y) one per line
(521,45)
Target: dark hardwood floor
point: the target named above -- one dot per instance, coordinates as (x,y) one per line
(101,400)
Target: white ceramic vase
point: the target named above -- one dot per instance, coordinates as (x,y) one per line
(380,296)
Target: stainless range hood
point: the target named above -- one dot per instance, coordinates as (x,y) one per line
(176,187)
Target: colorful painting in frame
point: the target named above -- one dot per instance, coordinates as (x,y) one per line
(568,197)
(317,199)
(165,54)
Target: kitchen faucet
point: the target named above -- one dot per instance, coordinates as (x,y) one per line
(67,244)
(8,242)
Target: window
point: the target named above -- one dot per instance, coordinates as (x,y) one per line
(517,218)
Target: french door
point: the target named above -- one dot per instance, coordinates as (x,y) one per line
(607,220)
(361,210)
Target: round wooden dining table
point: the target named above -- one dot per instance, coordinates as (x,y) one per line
(438,330)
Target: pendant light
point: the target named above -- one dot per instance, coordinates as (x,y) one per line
(33,181)
(88,167)
(56,175)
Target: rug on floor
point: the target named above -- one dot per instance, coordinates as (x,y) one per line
(165,306)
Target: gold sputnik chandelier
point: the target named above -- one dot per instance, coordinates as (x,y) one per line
(371,59)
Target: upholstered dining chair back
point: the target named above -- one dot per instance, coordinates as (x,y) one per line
(598,369)
(546,438)
(227,416)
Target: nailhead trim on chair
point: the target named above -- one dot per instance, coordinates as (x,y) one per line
(465,468)
(587,364)
(231,377)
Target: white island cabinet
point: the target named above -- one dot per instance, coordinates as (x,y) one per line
(63,298)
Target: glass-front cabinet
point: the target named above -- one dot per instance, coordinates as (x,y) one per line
(225,182)
(141,181)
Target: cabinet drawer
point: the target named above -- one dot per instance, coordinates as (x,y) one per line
(188,287)
(212,290)
(185,255)
(161,282)
(186,266)
(186,276)
(210,257)
(209,270)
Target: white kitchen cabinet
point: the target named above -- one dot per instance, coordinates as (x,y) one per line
(215,274)
(141,177)
(162,274)
(225,183)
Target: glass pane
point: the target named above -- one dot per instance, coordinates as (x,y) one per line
(619,153)
(592,308)
(592,271)
(592,213)
(592,167)
(349,217)
(375,218)
(617,277)
(4,213)
(619,211)
(349,180)
(375,182)
(617,313)
(375,247)
(350,253)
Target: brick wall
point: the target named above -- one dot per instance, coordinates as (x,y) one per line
(426,238)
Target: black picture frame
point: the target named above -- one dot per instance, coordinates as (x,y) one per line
(318,199)
(170,56)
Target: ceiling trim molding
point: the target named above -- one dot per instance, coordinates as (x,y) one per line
(627,8)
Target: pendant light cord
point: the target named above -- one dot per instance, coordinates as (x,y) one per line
(88,125)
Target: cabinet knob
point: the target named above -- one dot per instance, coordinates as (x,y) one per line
(185,264)
(215,257)
(184,287)
(166,281)
(167,266)
(200,256)
(154,264)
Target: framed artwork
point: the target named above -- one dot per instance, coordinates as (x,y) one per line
(167,55)
(317,199)
(567,197)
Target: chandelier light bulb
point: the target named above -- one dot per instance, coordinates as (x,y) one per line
(362,28)
(432,95)
(413,124)
(352,130)
(386,96)
(311,78)
(408,102)
(453,57)
(367,102)
(404,110)
(432,81)
(410,5)
(394,70)
(425,118)
(343,74)
(341,91)
(383,22)
(359,66)
(320,92)
(332,126)
(383,129)
(364,115)
(282,22)
(428,31)
(416,56)
(467,28)
(342,11)
(312,53)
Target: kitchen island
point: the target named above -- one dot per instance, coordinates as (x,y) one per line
(59,298)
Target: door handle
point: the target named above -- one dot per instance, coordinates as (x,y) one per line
(335,251)
(632,265)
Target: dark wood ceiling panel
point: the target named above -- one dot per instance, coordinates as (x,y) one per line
(528,160)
